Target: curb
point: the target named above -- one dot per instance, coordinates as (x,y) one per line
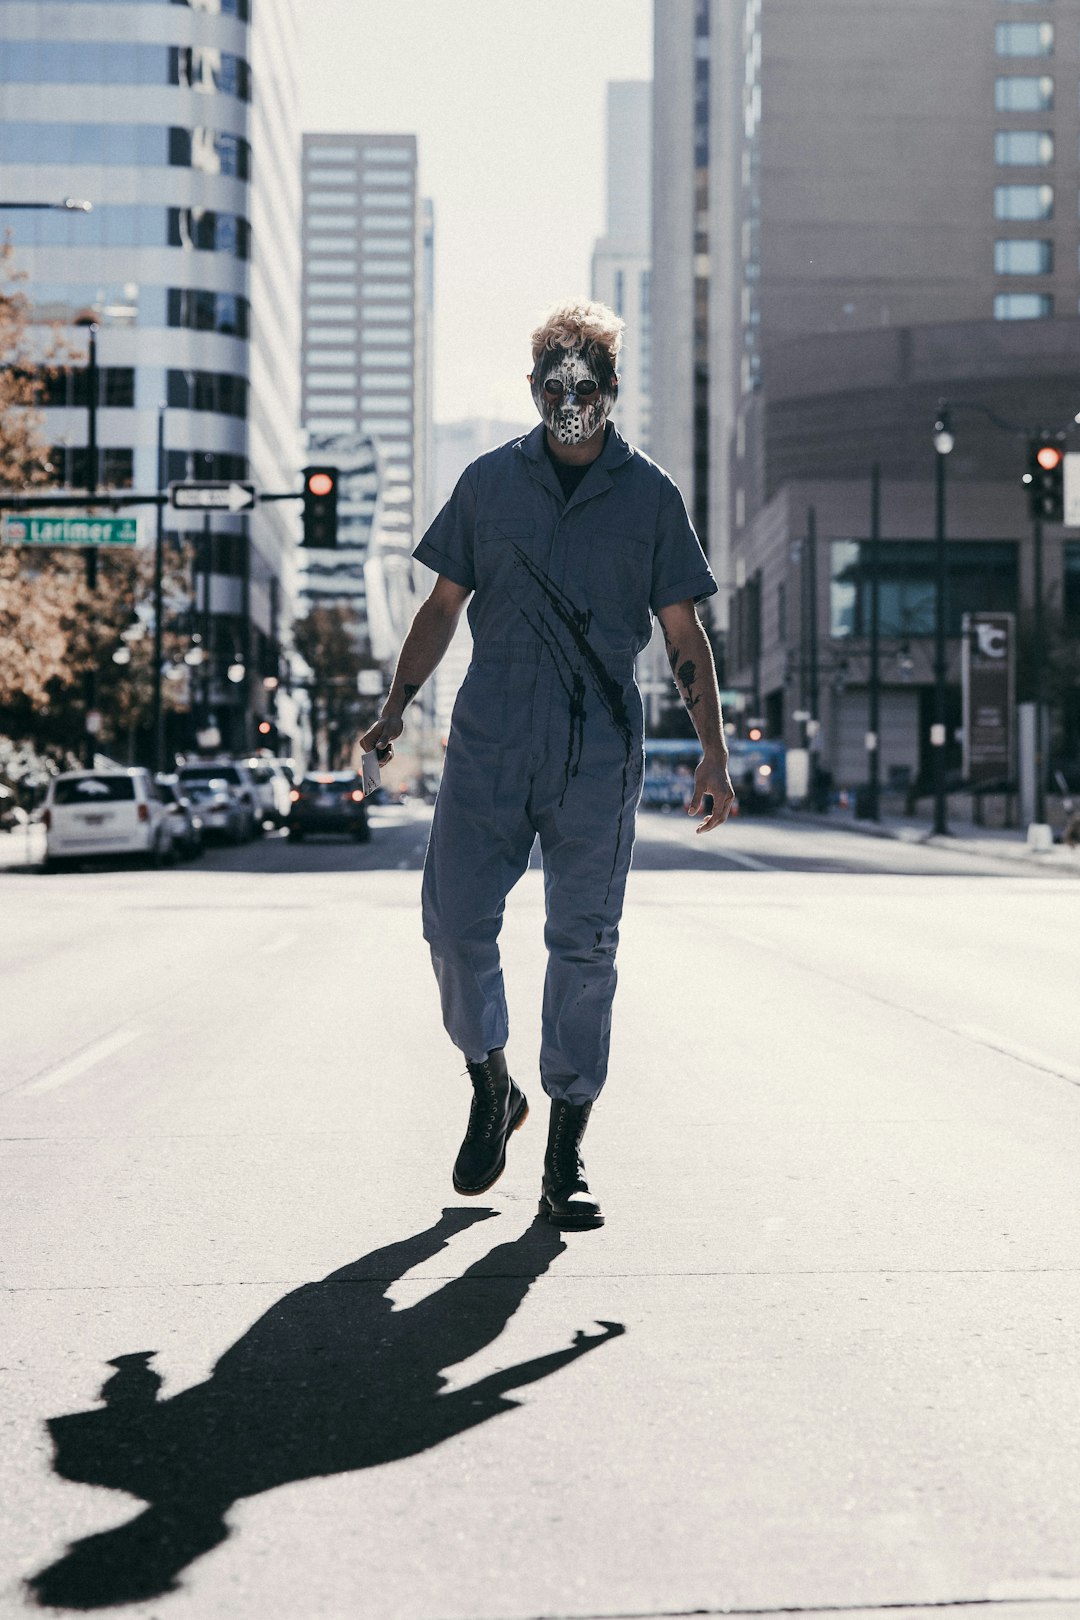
(1012,854)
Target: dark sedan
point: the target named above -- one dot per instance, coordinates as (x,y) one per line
(329,802)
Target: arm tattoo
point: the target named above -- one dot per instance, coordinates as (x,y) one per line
(685,673)
(409,693)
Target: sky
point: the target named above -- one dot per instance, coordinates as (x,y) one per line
(506,98)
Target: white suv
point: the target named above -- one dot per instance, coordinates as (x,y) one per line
(225,794)
(107,812)
(274,788)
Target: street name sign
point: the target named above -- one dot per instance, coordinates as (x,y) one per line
(73,530)
(212,496)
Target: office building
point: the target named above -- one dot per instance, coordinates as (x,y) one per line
(366,353)
(621,265)
(178,123)
(861,211)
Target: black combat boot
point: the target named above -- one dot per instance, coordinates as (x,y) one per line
(498,1107)
(564,1193)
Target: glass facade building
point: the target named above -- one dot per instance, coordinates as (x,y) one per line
(178,122)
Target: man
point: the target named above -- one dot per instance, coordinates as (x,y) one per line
(568,541)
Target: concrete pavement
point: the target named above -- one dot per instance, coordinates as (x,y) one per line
(839,1275)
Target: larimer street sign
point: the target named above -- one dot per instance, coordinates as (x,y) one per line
(75,530)
(212,497)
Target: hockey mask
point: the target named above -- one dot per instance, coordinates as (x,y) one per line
(574,390)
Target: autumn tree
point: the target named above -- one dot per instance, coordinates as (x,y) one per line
(53,629)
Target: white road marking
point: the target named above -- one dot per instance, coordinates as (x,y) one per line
(751,862)
(1024,1054)
(52,1079)
(282,943)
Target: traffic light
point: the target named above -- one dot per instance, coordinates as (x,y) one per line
(320,507)
(1045,479)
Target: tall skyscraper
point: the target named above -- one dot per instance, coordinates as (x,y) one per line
(860,211)
(367,279)
(621,264)
(179,123)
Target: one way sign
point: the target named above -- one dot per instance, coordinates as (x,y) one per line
(212,497)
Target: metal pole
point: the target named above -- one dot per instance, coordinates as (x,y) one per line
(1037,676)
(208,651)
(938,733)
(90,560)
(814,729)
(159,553)
(874,718)
(92,388)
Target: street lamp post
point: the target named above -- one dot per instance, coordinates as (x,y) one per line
(943,444)
(873,730)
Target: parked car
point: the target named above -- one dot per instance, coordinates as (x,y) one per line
(12,815)
(330,802)
(185,822)
(107,812)
(273,786)
(225,796)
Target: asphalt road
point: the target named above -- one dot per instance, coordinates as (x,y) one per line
(260,1363)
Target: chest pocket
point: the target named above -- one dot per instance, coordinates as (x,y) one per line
(619,573)
(499,543)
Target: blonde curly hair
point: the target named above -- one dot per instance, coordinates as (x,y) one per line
(580,324)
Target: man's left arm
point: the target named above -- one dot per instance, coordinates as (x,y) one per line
(691,660)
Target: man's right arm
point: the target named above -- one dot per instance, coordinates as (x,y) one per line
(431,633)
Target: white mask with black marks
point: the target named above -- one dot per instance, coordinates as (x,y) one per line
(574,392)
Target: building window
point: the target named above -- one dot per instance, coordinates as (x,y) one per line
(1023,202)
(1022,306)
(197,67)
(341,359)
(332,154)
(203,311)
(331,334)
(205,231)
(219,391)
(1029,148)
(981,576)
(342,288)
(331,177)
(116,387)
(386,244)
(115,468)
(331,199)
(330,244)
(1024,39)
(618,293)
(1019,257)
(389,222)
(1021,93)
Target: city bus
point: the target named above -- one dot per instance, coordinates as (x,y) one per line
(757,773)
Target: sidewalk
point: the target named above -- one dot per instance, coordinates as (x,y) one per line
(994,843)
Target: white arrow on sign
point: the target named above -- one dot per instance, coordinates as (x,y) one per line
(212,497)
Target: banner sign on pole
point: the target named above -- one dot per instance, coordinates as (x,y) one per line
(988,673)
(1071,489)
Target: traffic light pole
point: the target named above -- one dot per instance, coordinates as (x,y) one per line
(1037,674)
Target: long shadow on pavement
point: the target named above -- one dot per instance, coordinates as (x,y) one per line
(331,1379)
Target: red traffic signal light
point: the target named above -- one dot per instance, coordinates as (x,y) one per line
(265,728)
(1046,480)
(320,507)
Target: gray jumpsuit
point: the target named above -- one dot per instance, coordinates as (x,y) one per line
(546,736)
